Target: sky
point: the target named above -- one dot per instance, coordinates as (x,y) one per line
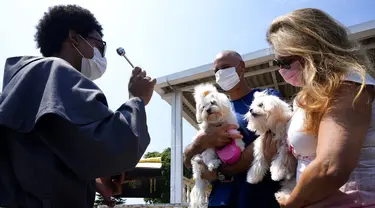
(167,36)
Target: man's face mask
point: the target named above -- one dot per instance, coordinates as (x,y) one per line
(227,78)
(95,67)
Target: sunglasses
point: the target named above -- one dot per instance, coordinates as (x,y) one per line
(104,44)
(285,62)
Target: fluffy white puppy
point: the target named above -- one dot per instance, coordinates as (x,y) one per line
(270,113)
(213,109)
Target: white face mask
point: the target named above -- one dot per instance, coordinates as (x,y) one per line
(227,78)
(95,67)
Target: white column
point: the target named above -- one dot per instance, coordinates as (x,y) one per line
(176,149)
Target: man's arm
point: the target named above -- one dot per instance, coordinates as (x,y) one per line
(216,138)
(192,149)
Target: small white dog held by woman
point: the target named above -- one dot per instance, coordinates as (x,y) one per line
(212,109)
(268,113)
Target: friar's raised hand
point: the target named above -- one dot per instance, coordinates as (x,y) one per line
(141,85)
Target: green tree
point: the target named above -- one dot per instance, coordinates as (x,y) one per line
(166,172)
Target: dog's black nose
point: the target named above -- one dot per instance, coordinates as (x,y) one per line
(251,111)
(209,111)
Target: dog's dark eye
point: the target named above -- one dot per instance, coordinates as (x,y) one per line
(260,105)
(200,108)
(213,102)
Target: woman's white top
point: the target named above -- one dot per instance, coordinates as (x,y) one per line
(360,189)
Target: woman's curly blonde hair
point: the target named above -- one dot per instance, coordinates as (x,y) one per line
(328,55)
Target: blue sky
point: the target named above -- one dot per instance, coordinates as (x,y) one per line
(167,36)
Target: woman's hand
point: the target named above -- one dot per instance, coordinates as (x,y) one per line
(269,146)
(282,203)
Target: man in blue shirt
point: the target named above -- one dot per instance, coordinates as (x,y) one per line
(229,186)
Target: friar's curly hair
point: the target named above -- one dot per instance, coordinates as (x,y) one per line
(53,28)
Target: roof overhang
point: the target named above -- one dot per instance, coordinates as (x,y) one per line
(260,73)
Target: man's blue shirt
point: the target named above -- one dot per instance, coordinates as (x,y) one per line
(239,193)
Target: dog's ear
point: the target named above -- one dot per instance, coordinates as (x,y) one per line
(268,106)
(224,100)
(198,114)
(260,93)
(247,116)
(256,94)
(196,92)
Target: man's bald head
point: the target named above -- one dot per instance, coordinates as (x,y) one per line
(227,59)
(228,54)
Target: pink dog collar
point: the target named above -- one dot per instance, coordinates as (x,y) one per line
(231,153)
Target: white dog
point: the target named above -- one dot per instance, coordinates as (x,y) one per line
(270,113)
(213,109)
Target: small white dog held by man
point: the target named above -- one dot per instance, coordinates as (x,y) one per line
(212,109)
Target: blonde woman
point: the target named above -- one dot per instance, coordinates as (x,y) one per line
(332,133)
